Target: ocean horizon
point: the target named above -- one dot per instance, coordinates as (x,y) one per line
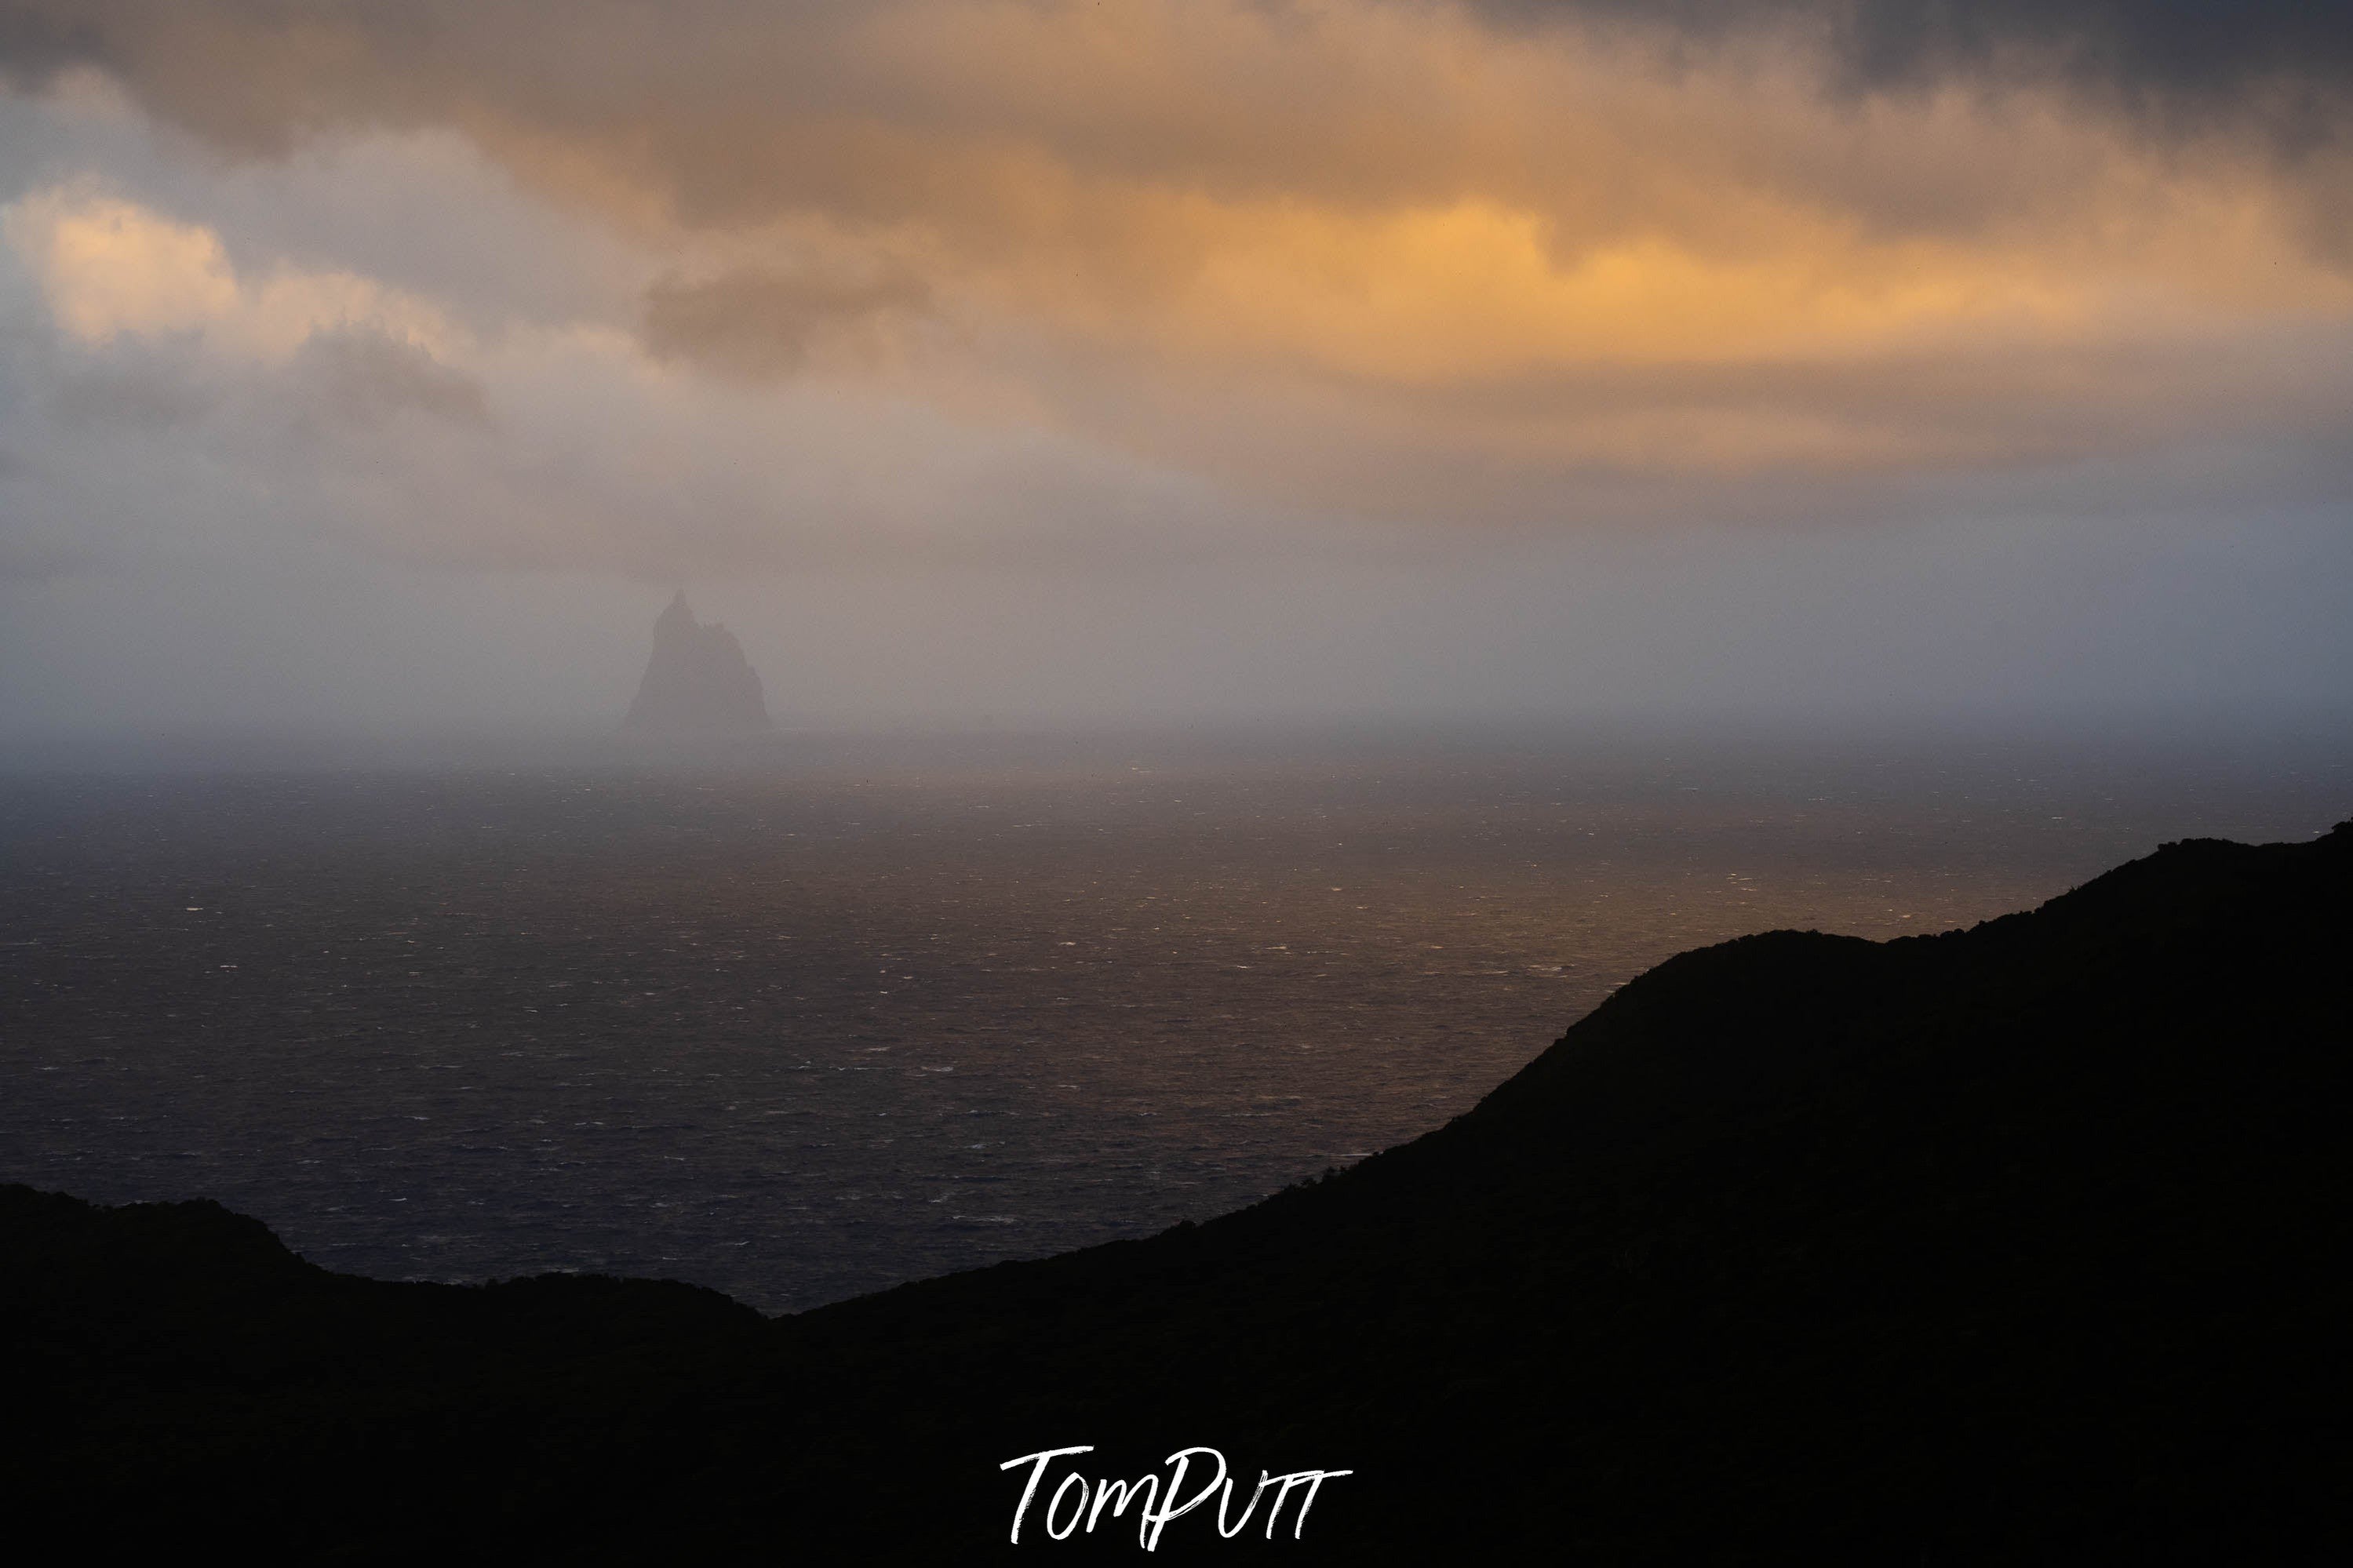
(842,1012)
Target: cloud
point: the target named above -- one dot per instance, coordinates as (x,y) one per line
(1186,356)
(364,375)
(1341,257)
(27,560)
(2286,61)
(111,268)
(761,322)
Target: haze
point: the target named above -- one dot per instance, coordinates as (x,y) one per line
(386,366)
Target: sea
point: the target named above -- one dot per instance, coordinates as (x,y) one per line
(805,1019)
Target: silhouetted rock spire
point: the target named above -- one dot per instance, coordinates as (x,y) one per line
(696,682)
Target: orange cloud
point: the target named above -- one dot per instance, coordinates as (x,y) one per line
(1257,239)
(111,268)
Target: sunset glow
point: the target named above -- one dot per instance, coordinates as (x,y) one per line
(868,280)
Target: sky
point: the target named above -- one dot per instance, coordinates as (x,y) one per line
(387,365)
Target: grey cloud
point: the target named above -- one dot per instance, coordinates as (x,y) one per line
(2201,49)
(37,42)
(2287,63)
(2011,428)
(33,559)
(722,114)
(365,377)
(696,96)
(134,389)
(759,323)
(257,75)
(194,549)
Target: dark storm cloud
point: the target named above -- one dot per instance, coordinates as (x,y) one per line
(2287,62)
(2195,47)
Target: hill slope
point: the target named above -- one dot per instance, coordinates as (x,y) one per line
(2029,1239)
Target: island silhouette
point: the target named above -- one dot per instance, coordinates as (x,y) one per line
(2022,1241)
(697,681)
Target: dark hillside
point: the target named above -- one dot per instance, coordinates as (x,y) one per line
(2029,1241)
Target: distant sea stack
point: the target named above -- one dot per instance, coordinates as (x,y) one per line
(697,681)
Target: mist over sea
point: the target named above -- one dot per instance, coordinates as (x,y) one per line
(814,1017)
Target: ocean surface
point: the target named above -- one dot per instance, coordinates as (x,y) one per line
(812,1019)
